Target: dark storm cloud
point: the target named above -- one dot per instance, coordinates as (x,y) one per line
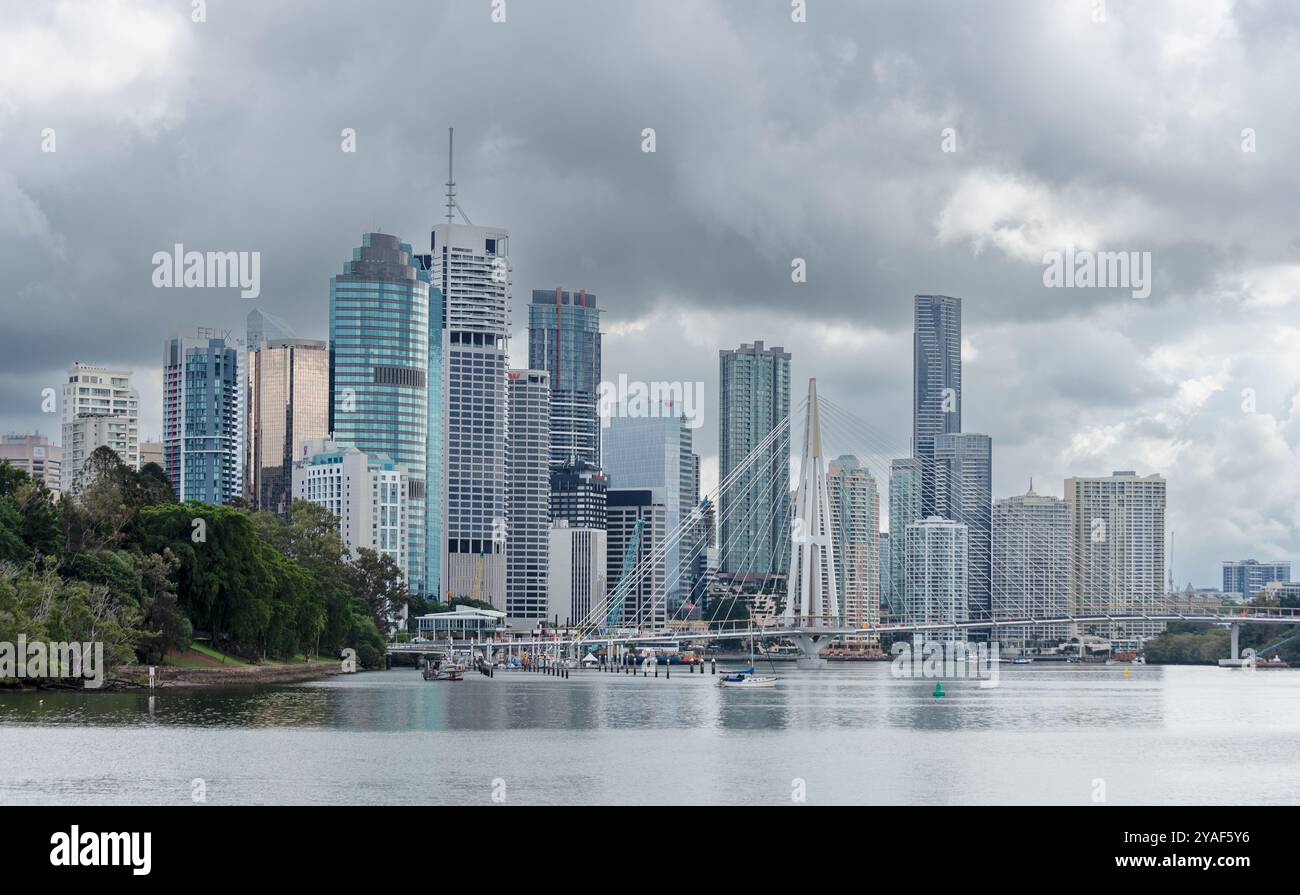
(774,141)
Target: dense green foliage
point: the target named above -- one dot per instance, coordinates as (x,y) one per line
(124,564)
(1200,644)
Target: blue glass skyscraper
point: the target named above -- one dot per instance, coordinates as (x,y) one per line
(385,339)
(202,422)
(564,340)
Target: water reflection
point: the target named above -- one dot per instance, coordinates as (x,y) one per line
(852,733)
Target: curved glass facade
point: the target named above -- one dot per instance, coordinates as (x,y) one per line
(382,397)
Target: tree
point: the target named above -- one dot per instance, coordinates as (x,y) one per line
(378,581)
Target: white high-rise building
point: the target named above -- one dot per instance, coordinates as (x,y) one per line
(528,507)
(367,493)
(855,530)
(1031,566)
(576,573)
(1117,529)
(936,571)
(100,409)
(471,267)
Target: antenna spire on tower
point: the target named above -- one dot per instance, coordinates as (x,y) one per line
(451,181)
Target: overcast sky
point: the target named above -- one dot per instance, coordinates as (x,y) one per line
(822,140)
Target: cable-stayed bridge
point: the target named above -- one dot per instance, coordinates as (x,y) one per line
(824,598)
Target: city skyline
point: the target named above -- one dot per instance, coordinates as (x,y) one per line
(1066,382)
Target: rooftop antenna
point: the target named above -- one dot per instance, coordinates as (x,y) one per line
(452,205)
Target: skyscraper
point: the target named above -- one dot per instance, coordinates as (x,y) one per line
(576,569)
(904,509)
(936,574)
(288,405)
(100,409)
(963,483)
(640,602)
(260,326)
(936,382)
(564,339)
(1031,565)
(578,495)
(471,266)
(654,452)
(855,528)
(528,509)
(1117,535)
(383,399)
(203,399)
(755,509)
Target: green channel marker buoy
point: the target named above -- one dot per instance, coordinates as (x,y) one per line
(938,688)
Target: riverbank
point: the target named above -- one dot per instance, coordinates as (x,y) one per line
(169,676)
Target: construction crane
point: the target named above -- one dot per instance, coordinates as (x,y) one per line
(619,593)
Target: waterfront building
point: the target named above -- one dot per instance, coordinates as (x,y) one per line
(886,575)
(654,452)
(385,396)
(471,267)
(1117,534)
(564,339)
(203,400)
(755,510)
(855,529)
(34,455)
(528,505)
(577,568)
(963,492)
(368,494)
(288,405)
(904,509)
(642,601)
(936,566)
(100,409)
(1031,566)
(1249,576)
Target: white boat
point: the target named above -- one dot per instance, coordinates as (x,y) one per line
(747,679)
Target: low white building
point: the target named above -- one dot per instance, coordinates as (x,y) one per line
(576,581)
(34,455)
(367,492)
(461,623)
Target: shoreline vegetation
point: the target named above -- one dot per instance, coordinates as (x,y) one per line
(199,591)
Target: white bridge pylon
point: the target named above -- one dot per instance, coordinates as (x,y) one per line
(812,604)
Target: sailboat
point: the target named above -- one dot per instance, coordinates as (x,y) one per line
(746,678)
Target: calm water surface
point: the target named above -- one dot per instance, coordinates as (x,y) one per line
(852,733)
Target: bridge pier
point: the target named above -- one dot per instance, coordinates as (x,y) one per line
(1236,661)
(809,651)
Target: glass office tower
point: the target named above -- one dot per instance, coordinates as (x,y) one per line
(383,399)
(564,340)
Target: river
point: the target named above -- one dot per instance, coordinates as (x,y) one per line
(847,734)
